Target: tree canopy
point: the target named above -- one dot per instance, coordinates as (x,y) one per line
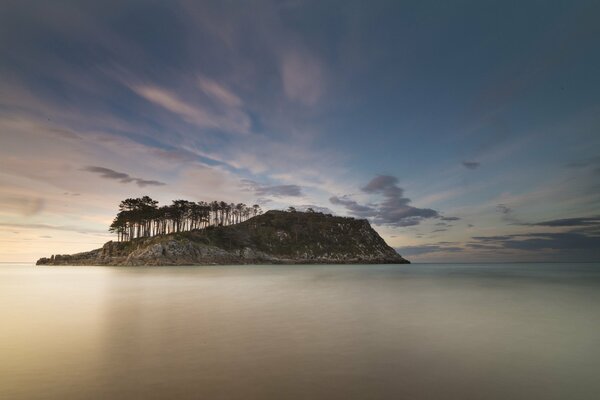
(142,217)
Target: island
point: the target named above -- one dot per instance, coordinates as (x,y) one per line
(275,237)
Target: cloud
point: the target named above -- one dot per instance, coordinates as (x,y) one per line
(393,210)
(427,248)
(492,239)
(275,190)
(223,115)
(279,190)
(507,213)
(543,241)
(23,205)
(481,246)
(122,177)
(580,242)
(144,182)
(218,92)
(449,218)
(471,164)
(172,103)
(383,183)
(504,209)
(569,222)
(355,209)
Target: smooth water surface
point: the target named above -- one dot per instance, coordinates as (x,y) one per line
(503,331)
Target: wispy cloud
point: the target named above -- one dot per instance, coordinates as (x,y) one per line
(471,164)
(507,213)
(219,92)
(504,209)
(122,177)
(273,190)
(171,102)
(24,205)
(225,115)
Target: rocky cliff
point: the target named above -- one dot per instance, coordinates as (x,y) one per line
(276,237)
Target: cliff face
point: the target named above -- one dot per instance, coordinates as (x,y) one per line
(276,237)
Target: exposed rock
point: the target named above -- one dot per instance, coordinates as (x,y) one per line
(276,237)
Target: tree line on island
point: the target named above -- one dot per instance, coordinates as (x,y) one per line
(142,217)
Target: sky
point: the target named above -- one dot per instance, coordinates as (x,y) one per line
(464,131)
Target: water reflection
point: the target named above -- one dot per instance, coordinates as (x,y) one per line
(504,331)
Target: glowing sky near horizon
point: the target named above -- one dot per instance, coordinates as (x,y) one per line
(463,130)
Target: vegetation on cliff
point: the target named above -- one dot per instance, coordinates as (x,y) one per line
(142,217)
(274,237)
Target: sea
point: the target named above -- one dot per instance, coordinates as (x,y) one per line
(419,331)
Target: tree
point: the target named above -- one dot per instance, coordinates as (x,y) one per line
(142,217)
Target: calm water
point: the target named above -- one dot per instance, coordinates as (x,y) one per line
(512,331)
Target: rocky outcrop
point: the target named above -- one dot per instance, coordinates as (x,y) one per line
(276,237)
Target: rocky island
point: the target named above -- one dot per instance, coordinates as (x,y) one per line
(275,237)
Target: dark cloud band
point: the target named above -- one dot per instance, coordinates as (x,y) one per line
(122,177)
(471,164)
(567,222)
